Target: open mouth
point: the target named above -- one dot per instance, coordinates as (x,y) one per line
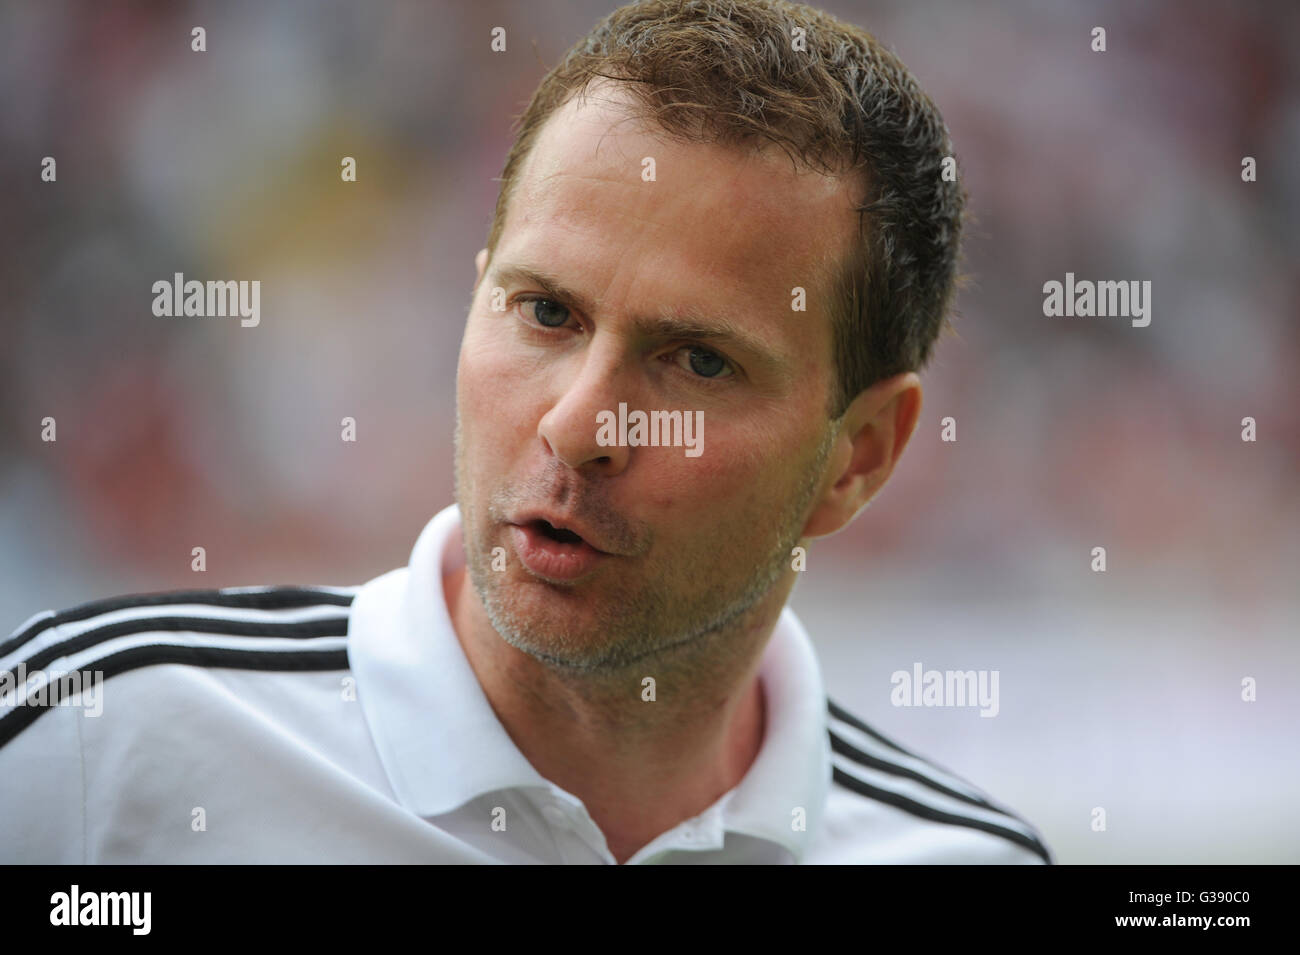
(555,554)
(559,534)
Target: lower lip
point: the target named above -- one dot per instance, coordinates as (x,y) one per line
(554,559)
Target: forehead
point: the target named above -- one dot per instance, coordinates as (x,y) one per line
(722,229)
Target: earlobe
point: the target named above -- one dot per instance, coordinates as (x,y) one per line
(875,429)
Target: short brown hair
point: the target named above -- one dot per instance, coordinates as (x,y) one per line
(727,72)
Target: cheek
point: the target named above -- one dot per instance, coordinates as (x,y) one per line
(494,389)
(484,375)
(733,475)
(477,386)
(494,365)
(480,354)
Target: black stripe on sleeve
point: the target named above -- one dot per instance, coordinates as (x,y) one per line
(938,815)
(20,717)
(277,598)
(849,751)
(846,717)
(299,630)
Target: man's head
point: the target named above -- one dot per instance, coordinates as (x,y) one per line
(677,179)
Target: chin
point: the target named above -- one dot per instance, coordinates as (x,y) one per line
(543,620)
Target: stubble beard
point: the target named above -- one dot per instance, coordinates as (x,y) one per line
(643,618)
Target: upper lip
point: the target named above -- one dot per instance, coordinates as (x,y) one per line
(564,523)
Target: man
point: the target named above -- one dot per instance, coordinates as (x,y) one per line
(722,250)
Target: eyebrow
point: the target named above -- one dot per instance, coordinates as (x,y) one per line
(670,322)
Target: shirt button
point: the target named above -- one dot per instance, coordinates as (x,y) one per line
(556,817)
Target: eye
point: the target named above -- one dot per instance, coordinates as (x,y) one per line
(548,312)
(705,363)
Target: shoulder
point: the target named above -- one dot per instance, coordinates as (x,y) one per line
(890,805)
(120,716)
(55,659)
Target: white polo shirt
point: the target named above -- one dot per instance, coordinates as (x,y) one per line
(337,724)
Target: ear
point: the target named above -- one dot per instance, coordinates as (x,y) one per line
(870,439)
(480,263)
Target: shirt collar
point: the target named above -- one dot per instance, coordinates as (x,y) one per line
(442,745)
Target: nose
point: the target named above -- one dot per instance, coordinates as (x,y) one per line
(569,429)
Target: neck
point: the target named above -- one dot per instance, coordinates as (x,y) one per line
(640,767)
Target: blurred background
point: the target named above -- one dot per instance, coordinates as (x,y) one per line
(1119,690)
